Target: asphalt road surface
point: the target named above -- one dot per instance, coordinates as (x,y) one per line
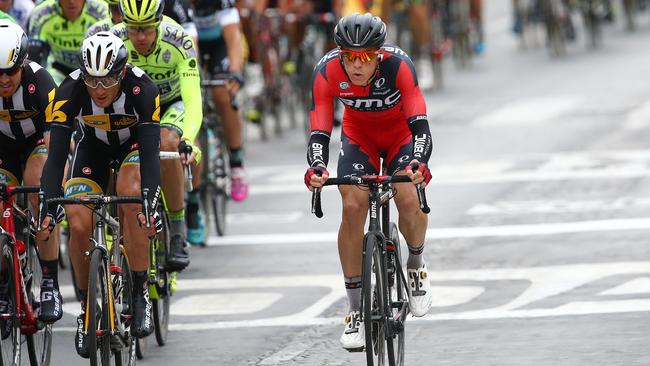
(537,241)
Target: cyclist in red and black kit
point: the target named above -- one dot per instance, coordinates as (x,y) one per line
(385,118)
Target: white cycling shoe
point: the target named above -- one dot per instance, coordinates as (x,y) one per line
(354,335)
(420,297)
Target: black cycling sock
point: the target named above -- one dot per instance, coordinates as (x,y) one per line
(353,290)
(415,260)
(192,209)
(50,271)
(140,282)
(236,158)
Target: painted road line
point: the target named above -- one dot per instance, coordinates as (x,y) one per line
(559,206)
(288,217)
(637,118)
(545,283)
(636,286)
(224,304)
(528,111)
(642,223)
(620,164)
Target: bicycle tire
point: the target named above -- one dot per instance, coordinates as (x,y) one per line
(373,293)
(161,318)
(10,347)
(141,346)
(125,356)
(39,345)
(98,311)
(215,205)
(396,354)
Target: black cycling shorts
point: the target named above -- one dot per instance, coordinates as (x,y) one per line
(214,56)
(14,155)
(91,163)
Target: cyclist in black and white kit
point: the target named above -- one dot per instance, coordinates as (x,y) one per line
(117,109)
(24,90)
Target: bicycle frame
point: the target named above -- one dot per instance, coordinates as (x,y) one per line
(28,318)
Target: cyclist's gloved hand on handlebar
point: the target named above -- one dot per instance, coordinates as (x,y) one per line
(190,154)
(155,222)
(49,222)
(418,172)
(316,176)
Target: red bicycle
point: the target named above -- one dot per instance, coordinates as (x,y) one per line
(20,272)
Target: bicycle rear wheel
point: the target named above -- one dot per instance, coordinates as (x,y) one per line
(39,345)
(373,300)
(10,335)
(125,356)
(98,320)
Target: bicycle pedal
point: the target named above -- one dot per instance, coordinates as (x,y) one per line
(360,349)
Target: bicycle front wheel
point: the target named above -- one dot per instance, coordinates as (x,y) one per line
(373,301)
(10,336)
(39,344)
(398,303)
(161,311)
(97,320)
(125,356)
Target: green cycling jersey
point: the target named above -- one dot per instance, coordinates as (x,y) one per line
(50,32)
(4,15)
(173,66)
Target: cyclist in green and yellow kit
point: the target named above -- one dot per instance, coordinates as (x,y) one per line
(160,46)
(57,28)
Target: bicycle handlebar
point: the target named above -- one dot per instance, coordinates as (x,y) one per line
(183,148)
(93,199)
(316,207)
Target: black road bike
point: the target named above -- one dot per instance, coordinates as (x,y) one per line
(384,299)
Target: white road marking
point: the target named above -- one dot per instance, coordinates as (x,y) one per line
(558,206)
(621,164)
(288,217)
(224,304)
(637,118)
(529,111)
(545,282)
(642,223)
(636,286)
(454,295)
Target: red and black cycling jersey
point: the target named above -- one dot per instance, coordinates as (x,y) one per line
(134,117)
(390,106)
(22,115)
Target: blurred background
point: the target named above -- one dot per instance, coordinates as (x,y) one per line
(537,241)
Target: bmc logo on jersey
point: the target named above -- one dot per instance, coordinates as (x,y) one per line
(373,104)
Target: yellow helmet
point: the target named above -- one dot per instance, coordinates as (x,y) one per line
(142,12)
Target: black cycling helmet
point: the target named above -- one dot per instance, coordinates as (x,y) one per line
(360,31)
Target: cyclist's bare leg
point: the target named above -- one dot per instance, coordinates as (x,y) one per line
(80,222)
(412,221)
(230,118)
(351,232)
(171,171)
(49,249)
(136,241)
(421,28)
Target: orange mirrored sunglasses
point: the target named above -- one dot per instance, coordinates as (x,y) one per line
(364,56)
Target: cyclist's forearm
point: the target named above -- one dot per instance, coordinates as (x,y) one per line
(56,159)
(191,95)
(232,37)
(148,148)
(318,148)
(422,142)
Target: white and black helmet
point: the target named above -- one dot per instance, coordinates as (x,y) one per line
(13,45)
(360,31)
(103,54)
